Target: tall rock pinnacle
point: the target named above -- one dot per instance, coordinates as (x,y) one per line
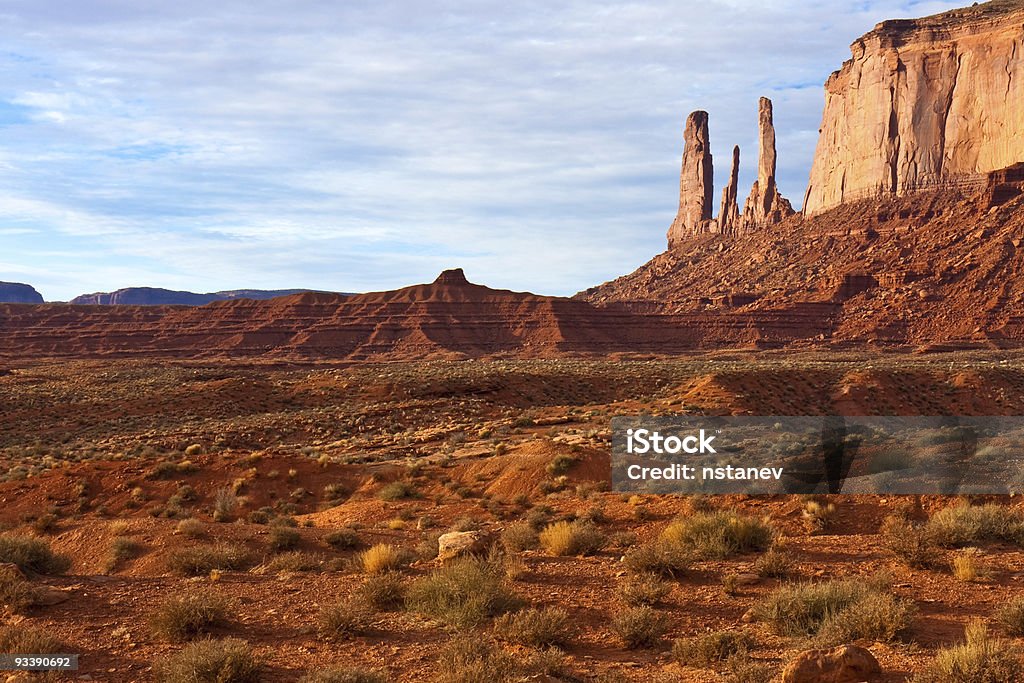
(765,206)
(695,182)
(729,213)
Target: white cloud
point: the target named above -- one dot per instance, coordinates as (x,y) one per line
(368,144)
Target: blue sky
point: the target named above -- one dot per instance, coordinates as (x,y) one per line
(358,146)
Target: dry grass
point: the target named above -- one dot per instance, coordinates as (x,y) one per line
(17,594)
(191,528)
(544,627)
(382,558)
(122,549)
(776,563)
(343,621)
(519,536)
(343,539)
(964,524)
(354,675)
(382,591)
(912,545)
(187,616)
(1010,617)
(24,639)
(639,626)
(463,593)
(294,561)
(282,538)
(659,557)
(969,565)
(211,661)
(472,659)
(571,538)
(32,555)
(980,659)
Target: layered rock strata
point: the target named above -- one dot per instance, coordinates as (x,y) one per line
(923,104)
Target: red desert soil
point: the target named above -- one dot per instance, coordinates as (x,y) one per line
(101,445)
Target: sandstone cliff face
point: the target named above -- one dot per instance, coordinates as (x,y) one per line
(696,181)
(765,205)
(922,104)
(155,296)
(17,293)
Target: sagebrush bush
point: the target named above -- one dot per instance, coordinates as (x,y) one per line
(343,539)
(719,534)
(32,555)
(382,558)
(355,675)
(463,593)
(839,610)
(964,524)
(294,561)
(537,627)
(211,661)
(24,639)
(121,548)
(519,536)
(189,615)
(283,538)
(1011,617)
(343,620)
(202,559)
(775,563)
(472,659)
(639,626)
(708,649)
(912,545)
(191,528)
(643,589)
(16,593)
(397,490)
(980,659)
(571,538)
(382,591)
(659,557)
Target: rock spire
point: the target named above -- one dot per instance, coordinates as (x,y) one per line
(695,182)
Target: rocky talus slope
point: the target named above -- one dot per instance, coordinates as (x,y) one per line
(923,103)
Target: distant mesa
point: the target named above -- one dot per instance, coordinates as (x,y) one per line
(155,296)
(453,276)
(18,293)
(764,206)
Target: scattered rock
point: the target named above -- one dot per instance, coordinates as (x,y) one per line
(843,664)
(459,543)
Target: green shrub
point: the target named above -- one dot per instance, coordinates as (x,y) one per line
(191,614)
(546,626)
(397,490)
(519,536)
(382,591)
(211,661)
(32,555)
(462,593)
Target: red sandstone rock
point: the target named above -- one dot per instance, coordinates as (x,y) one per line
(765,205)
(696,182)
(729,213)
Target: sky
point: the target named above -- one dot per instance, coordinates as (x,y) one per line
(361,146)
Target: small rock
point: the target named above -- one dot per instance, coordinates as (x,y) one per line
(47,596)
(843,664)
(459,543)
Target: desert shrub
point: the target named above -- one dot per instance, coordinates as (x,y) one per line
(571,538)
(225,503)
(546,626)
(382,558)
(708,649)
(839,610)
(121,548)
(743,669)
(16,593)
(643,589)
(45,524)
(776,563)
(623,539)
(462,593)
(294,561)
(24,639)
(519,536)
(343,539)
(964,524)
(659,557)
(397,490)
(1011,617)
(560,464)
(355,675)
(201,559)
(980,659)
(211,661)
(639,626)
(283,538)
(912,545)
(382,591)
(818,515)
(719,534)
(471,659)
(343,620)
(191,614)
(968,565)
(32,555)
